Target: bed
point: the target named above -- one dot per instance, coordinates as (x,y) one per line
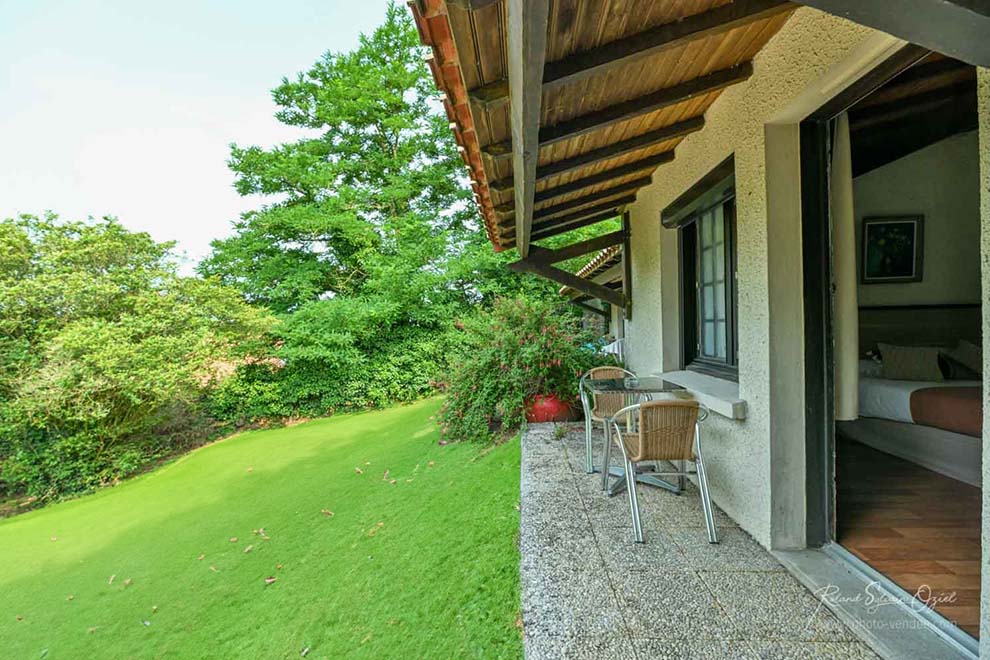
(937,425)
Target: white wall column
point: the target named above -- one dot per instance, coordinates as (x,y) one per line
(845,324)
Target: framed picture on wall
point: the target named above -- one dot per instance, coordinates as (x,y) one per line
(893,249)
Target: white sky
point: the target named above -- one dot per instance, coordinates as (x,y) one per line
(127,108)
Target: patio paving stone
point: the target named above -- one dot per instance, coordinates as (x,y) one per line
(589,592)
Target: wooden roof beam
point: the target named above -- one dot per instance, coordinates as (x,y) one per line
(551,193)
(552,213)
(582,247)
(582,218)
(555,229)
(527,32)
(540,267)
(471,5)
(643,44)
(680,129)
(633,108)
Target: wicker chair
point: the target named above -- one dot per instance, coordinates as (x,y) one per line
(599,407)
(667,430)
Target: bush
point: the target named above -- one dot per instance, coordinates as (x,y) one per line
(521,348)
(106,353)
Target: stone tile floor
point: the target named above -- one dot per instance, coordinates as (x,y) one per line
(590,592)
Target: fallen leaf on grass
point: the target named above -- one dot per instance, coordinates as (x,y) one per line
(385,476)
(366,639)
(20,618)
(270,579)
(278,567)
(327,512)
(128,582)
(359,470)
(147,623)
(91,630)
(154,608)
(304,652)
(233,539)
(250,469)
(248,549)
(517,508)
(442,443)
(200,558)
(54,538)
(70,597)
(408,480)
(392,481)
(431,464)
(214,569)
(374,530)
(112,578)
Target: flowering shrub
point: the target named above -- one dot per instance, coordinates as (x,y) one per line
(522,348)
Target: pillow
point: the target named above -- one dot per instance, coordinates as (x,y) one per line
(911,363)
(870,369)
(954,370)
(967,354)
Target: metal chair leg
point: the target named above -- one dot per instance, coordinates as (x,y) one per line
(633,501)
(706,500)
(606,455)
(589,461)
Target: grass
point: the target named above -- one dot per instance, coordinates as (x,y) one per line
(421,563)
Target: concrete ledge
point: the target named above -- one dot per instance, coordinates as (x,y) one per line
(881,617)
(719,395)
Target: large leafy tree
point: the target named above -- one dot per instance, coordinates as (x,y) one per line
(369,202)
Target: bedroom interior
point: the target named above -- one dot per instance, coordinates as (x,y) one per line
(907,312)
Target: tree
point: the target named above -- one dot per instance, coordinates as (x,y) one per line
(106,353)
(369,201)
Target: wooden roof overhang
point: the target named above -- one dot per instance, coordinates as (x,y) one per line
(564,109)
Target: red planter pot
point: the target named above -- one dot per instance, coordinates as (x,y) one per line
(548,408)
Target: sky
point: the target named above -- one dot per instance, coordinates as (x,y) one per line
(127,108)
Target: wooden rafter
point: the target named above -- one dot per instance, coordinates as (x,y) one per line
(680,129)
(598,209)
(527,31)
(564,227)
(471,5)
(581,247)
(538,266)
(648,163)
(644,44)
(633,108)
(552,193)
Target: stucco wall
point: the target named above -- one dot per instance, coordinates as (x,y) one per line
(939,182)
(739,452)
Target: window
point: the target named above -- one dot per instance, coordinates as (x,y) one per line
(705,216)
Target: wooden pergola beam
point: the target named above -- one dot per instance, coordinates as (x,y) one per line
(644,44)
(527,32)
(558,228)
(633,108)
(537,266)
(581,247)
(552,193)
(680,129)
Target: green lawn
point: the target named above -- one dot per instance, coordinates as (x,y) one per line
(174,563)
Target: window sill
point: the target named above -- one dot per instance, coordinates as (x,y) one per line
(721,396)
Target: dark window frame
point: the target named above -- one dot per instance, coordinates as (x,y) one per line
(691,322)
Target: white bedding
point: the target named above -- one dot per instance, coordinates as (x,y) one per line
(891,399)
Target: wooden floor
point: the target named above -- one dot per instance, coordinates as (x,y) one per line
(915,526)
